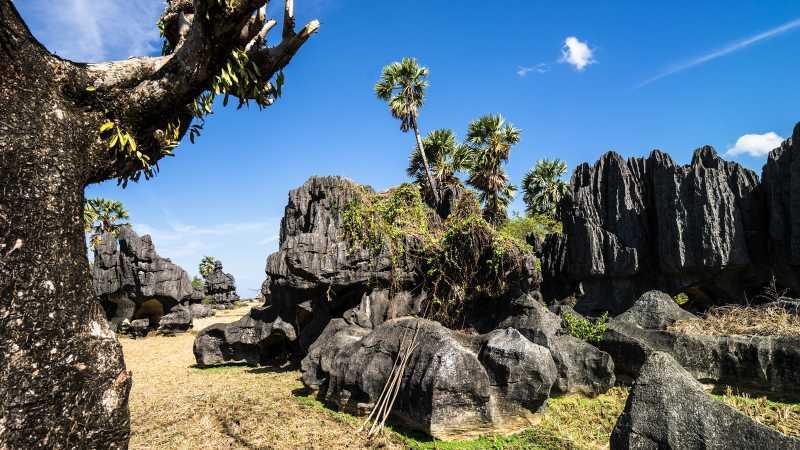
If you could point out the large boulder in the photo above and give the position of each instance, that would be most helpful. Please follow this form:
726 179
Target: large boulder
220 287
318 275
766 363
134 282
178 320
649 223
668 409
454 385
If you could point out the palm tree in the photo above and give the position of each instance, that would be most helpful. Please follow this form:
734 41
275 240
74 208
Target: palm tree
489 140
207 265
445 156
543 187
402 85
101 215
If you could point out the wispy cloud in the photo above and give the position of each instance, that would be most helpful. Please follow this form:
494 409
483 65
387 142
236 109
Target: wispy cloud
96 30
738 45
577 53
538 68
755 145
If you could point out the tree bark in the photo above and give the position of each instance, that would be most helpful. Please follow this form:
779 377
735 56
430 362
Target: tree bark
63 382
431 180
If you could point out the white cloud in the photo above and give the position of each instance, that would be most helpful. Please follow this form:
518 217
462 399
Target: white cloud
755 144
539 68
730 48
576 53
97 30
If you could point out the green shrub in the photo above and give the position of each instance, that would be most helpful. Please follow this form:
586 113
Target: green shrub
206 301
520 227
585 329
198 283
681 298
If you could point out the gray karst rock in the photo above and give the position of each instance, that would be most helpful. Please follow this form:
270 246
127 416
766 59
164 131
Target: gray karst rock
781 194
668 409
220 287
455 385
134 282
648 223
200 311
316 276
178 320
766 363
138 328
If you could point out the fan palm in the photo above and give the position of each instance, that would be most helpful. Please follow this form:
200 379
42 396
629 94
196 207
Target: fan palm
402 85
543 187
489 140
445 156
101 215
207 265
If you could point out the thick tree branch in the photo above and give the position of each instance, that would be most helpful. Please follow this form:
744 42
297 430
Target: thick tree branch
151 94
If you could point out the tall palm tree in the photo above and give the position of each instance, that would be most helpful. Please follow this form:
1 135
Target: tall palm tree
446 157
102 215
402 85
207 265
489 140
543 187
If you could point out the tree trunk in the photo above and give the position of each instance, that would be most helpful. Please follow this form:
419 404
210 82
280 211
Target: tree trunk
63 382
431 180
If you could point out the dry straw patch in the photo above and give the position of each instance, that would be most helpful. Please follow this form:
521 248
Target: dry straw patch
732 320
176 406
783 417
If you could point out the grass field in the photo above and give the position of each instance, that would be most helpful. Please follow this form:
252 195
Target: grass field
177 406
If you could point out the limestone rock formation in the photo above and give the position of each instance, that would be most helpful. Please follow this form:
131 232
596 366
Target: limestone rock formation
220 287
667 408
178 320
134 282
766 363
455 385
647 223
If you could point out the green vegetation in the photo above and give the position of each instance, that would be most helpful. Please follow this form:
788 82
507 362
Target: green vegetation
463 257
681 298
585 329
571 422
446 157
489 140
101 215
520 227
198 283
543 187
402 85
206 265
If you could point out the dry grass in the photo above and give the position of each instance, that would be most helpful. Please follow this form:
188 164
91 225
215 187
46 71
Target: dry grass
585 423
784 417
176 406
741 320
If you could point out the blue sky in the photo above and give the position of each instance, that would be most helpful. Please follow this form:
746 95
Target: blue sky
579 78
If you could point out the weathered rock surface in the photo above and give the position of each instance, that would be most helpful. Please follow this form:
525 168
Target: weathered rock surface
178 320
455 385
200 311
139 328
220 287
316 276
649 223
668 409
766 363
134 282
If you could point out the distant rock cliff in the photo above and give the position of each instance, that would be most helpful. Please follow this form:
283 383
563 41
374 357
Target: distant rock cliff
709 228
220 287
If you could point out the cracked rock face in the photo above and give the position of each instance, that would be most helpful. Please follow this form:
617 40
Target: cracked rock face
134 282
220 287
648 223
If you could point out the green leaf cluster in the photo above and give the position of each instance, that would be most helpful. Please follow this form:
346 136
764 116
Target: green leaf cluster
585 329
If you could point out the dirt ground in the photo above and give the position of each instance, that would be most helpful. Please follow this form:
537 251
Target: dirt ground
177 406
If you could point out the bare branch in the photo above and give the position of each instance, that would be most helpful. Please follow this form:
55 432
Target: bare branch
288 19
273 59
259 38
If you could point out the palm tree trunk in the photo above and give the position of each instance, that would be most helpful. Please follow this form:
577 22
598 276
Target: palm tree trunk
427 167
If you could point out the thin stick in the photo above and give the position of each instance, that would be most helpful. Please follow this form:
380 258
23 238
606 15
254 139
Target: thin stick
385 386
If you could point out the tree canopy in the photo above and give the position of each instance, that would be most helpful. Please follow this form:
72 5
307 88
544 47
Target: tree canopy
102 215
543 186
